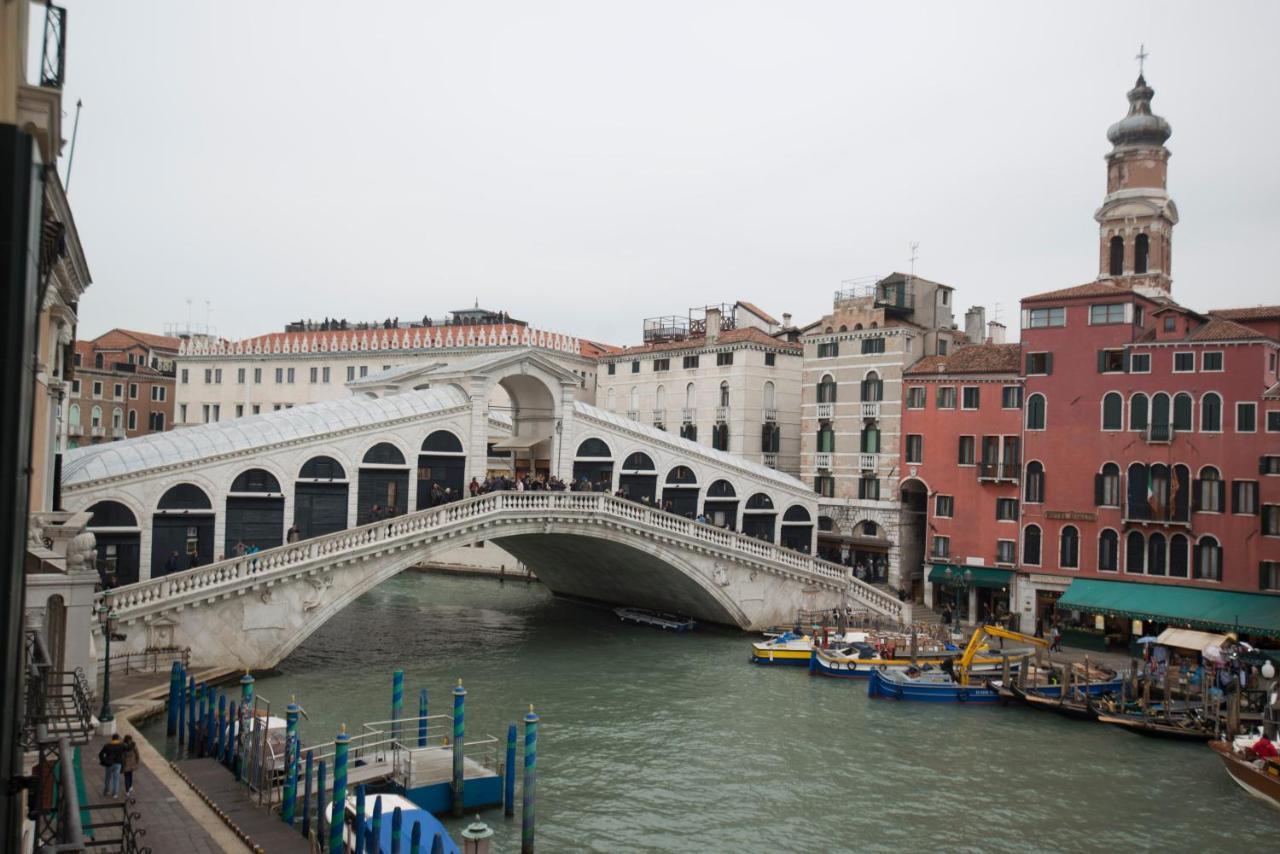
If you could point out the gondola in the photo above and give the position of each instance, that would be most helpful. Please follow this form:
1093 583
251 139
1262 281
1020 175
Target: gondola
1155 729
1073 709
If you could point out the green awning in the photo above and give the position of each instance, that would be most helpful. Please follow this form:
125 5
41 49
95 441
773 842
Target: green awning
981 576
1216 610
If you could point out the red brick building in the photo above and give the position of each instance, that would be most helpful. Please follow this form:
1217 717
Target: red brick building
121 387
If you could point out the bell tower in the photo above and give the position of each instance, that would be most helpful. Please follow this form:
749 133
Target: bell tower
1136 219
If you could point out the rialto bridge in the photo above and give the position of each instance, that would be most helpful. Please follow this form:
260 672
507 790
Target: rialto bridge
361 478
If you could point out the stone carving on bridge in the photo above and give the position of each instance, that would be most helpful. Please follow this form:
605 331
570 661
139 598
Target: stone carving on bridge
720 576
82 553
319 586
266 596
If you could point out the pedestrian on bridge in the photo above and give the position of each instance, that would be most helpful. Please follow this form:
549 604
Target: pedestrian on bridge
111 758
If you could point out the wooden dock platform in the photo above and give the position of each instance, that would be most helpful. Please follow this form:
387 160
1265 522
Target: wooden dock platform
259 828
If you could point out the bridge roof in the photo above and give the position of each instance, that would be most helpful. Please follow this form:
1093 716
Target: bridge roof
694 449
190 444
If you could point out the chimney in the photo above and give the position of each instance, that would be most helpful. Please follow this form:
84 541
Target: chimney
995 332
975 324
713 325
786 320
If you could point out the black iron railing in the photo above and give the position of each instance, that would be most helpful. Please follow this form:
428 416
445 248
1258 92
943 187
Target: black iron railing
57 700
53 63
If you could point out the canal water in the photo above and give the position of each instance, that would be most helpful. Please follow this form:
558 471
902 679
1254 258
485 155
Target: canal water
651 741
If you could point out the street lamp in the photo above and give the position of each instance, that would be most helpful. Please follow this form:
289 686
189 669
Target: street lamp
958 583
106 619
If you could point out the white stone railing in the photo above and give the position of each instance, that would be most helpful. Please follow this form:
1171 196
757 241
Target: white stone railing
871 409
826 410
294 559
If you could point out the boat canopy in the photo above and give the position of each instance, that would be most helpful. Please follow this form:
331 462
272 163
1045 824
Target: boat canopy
982 576
1215 610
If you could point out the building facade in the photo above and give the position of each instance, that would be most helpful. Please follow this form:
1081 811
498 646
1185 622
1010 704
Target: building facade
122 387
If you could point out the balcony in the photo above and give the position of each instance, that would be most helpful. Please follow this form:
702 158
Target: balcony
1158 434
871 409
633 414
868 462
999 472
117 432
97 432
659 417
826 411
822 460
769 460
770 414
722 414
75 429
688 415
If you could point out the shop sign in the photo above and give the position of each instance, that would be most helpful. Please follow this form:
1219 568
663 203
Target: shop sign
1071 515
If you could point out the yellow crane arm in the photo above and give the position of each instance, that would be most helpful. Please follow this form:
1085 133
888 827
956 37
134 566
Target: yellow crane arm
975 643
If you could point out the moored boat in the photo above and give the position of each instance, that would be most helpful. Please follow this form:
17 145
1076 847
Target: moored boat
1079 705
1184 728
859 661
1258 777
930 686
786 648
656 619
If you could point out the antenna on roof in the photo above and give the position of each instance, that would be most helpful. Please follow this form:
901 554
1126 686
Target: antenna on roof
914 255
995 313
75 132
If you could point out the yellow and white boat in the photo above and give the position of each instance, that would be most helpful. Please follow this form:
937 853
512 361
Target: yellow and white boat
786 648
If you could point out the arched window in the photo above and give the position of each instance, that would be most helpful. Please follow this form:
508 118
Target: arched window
384 453
872 387
1138 409
1141 247
1211 413
1156 555
1178 548
870 443
322 468
1208 559
1210 490
1069 548
133 419
660 399
690 398
1031 545
255 480
97 360
826 439
721 489
595 448
185 496
1033 488
609 400
442 442
1160 410
1139 507
1106 490
1182 406
95 417
633 400
73 415
1108 551
111 514
827 390
682 476
1112 411
1117 256
769 396
639 461
1035 412
724 393
796 513
1135 554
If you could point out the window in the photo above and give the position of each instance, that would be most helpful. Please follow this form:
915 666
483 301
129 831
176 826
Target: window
159 393
944 506
1111 361
1033 483
870 441
613 368
204 413
1271 520
826 439
1069 548
1209 491
827 390
1182 407
1170 323
217 376
770 359
208 376
969 397
724 358
825 485
869 488
1141 249
97 388
942 346
635 366
289 373
324 375
1139 407
1244 497
967 454
1103 314
117 391
1116 261
1184 363
828 349
947 397
916 397
1140 363
1269 465
1039 363
941 546
1246 417
1135 553
1269 575
257 375
217 412
1208 559
240 372
182 413
133 419
872 387
1273 421
724 396
279 375
1035 412
1112 411
661 365
239 410
1011 397
351 373
1179 546
872 345
1039 318
1006 551
364 370
689 362
75 388
915 448
1211 413
1211 361
1006 509
314 375
1108 551
257 408
1031 545
720 436
157 422
1106 486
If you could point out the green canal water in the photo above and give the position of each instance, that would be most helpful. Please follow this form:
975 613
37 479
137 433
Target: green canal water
656 742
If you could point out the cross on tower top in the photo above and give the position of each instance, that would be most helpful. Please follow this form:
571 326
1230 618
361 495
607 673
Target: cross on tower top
1142 58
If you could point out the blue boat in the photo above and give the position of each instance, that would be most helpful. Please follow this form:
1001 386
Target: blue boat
410 814
929 686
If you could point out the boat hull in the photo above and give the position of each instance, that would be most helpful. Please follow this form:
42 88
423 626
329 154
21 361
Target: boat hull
884 684
862 668
1047 697
1259 783
1151 729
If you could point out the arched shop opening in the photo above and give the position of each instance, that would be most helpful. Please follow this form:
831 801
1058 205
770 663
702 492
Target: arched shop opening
638 479
255 512
320 497
384 484
680 493
593 466
442 467
119 541
181 530
721 505
759 517
797 529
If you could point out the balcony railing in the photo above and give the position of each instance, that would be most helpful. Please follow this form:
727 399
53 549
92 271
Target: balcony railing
722 414
53 62
659 417
97 431
1159 434
826 411
117 432
871 409
770 460
999 471
688 415
633 414
75 429
868 462
822 460
770 414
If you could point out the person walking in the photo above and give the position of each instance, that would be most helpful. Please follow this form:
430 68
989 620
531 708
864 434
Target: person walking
294 534
129 763
1055 638
171 563
111 757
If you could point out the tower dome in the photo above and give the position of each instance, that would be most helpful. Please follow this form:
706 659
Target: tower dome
1141 126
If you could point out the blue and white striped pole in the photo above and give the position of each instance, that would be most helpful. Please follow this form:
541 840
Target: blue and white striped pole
459 733
530 781
290 804
397 827
397 702
320 787
339 812
306 797
375 835
422 717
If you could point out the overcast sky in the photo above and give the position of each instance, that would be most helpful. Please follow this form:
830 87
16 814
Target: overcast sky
583 165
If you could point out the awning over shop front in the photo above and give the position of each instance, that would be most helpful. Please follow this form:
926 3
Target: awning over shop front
1217 610
981 576
1189 639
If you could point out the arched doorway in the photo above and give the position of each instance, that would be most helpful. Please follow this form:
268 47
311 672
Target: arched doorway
593 466
797 529
384 484
119 542
533 411
912 515
181 530
638 479
759 517
320 497
721 505
442 464
255 512
680 494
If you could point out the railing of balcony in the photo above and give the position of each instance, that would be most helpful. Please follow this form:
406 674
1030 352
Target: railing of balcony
722 414
688 415
871 409
659 417
868 462
999 471
1159 434
822 460
770 460
826 410
633 414
770 414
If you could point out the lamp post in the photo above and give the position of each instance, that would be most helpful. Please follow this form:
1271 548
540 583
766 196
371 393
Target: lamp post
108 622
959 584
